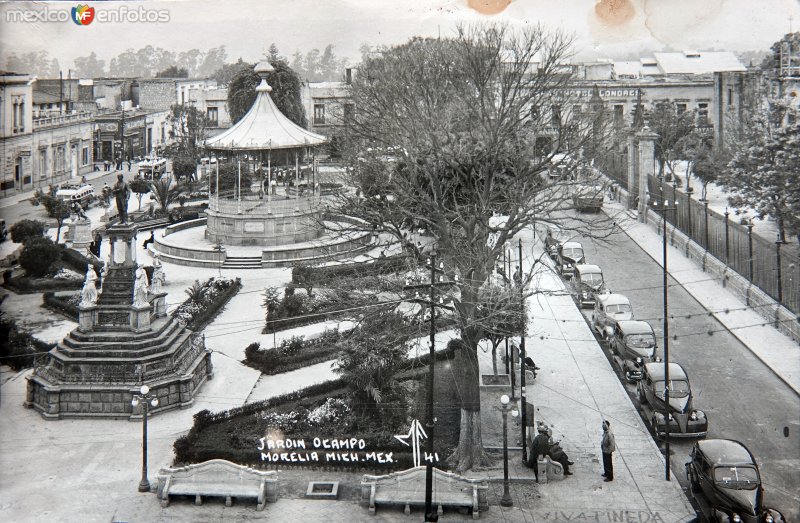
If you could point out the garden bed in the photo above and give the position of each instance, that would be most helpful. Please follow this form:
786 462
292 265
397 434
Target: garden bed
296 309
66 305
292 354
205 301
318 411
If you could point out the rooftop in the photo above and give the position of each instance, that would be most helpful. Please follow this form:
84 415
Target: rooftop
698 62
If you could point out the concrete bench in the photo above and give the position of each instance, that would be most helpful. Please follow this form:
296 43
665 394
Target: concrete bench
407 488
218 478
549 470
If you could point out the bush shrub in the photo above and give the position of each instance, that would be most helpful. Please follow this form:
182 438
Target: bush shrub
18 349
304 274
66 305
205 301
78 262
38 255
25 230
184 166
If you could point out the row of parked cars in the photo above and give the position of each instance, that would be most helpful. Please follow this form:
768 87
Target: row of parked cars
723 475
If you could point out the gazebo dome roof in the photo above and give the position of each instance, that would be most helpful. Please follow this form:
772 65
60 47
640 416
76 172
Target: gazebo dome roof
264 127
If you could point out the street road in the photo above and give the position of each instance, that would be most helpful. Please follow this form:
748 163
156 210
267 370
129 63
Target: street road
743 398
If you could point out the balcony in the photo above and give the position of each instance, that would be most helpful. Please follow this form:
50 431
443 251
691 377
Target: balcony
60 120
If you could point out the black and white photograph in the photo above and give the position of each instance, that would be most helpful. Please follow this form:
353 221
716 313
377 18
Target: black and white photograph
511 261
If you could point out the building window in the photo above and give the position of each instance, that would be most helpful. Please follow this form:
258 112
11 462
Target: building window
555 115
702 114
22 115
681 108
730 96
42 163
619 113
212 114
319 114
61 155
577 110
15 118
349 110
85 156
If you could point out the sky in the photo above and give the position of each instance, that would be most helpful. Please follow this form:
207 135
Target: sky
602 28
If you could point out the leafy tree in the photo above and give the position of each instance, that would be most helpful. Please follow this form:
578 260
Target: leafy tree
225 74
463 134
286 87
173 71
229 177
38 255
188 129
90 66
164 193
26 230
36 63
183 166
371 355
671 125
190 60
139 187
771 62
55 207
500 310
764 173
212 60
694 148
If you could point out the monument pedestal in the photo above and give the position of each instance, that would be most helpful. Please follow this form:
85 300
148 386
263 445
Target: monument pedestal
80 233
140 318
87 317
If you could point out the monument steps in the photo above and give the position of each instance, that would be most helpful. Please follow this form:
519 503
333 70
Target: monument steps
144 354
79 340
242 262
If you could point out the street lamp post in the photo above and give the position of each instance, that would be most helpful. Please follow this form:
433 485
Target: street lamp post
522 399
146 400
664 208
506 500
441 281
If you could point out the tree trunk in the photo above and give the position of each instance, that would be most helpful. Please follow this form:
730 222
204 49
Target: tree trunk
494 357
469 452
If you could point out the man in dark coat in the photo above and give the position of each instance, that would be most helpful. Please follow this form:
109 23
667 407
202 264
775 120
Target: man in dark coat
608 445
539 446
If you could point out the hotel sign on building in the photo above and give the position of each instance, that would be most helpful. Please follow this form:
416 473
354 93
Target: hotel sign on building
604 92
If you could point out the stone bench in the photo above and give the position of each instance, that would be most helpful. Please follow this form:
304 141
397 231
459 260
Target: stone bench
549 470
218 478
407 488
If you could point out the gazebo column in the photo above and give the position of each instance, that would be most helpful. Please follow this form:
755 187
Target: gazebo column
297 175
269 181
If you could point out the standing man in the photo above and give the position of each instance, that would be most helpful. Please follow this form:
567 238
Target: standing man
608 446
121 194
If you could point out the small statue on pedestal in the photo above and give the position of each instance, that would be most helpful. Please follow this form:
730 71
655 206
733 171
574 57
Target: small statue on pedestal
140 288
89 291
159 278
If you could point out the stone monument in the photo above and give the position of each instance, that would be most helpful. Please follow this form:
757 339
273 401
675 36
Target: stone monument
124 340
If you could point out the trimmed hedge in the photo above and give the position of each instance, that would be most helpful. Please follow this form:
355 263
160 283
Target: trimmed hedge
317 275
61 305
27 285
207 315
275 324
274 361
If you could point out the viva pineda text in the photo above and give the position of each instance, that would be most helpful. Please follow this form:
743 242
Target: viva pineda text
325 450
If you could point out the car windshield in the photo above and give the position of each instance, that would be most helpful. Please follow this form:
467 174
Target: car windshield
677 388
739 478
620 307
573 253
640 341
592 278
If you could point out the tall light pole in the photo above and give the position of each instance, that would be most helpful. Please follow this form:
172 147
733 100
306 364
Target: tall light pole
506 500
664 208
522 399
146 399
438 279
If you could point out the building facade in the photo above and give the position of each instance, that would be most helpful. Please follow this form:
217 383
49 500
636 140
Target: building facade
38 152
122 135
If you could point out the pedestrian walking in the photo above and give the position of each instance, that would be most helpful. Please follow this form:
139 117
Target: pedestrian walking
608 446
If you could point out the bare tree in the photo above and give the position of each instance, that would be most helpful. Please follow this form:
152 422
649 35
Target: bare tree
448 136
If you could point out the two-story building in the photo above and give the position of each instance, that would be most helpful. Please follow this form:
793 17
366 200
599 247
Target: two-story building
42 150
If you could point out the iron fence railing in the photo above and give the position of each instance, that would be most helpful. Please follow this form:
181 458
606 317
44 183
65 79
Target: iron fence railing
764 263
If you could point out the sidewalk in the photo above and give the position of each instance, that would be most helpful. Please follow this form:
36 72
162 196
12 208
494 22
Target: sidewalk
13 199
779 352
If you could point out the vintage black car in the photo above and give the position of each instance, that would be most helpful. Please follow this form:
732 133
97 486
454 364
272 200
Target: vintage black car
725 482
610 308
632 344
587 282
569 255
684 420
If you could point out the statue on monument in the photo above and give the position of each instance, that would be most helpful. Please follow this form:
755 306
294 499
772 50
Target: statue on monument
159 278
89 291
121 193
140 288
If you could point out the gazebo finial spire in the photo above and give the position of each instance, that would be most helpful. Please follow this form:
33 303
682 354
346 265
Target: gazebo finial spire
263 68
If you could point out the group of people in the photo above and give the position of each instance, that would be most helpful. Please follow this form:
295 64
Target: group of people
543 445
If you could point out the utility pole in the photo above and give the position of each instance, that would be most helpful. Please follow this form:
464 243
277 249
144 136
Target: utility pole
522 400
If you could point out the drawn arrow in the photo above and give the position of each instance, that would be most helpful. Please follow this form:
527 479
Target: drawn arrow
415 434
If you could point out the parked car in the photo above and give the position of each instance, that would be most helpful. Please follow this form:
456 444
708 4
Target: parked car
684 420
632 344
587 282
569 255
609 308
726 485
76 193
589 198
